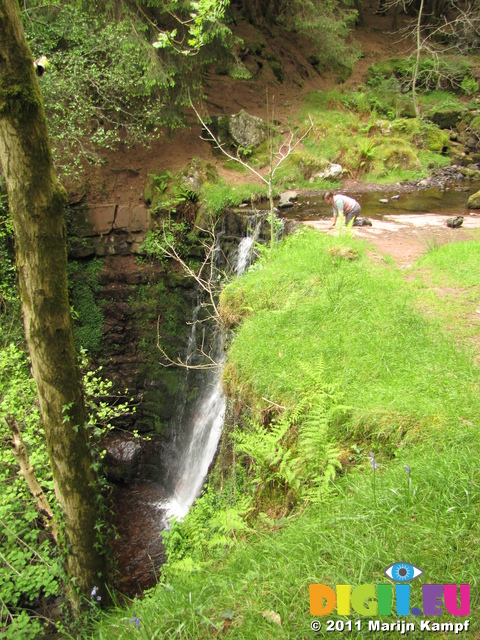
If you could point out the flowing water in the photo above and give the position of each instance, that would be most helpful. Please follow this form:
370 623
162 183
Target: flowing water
144 510
197 431
449 201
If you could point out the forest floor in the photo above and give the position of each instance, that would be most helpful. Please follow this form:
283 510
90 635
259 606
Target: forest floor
122 178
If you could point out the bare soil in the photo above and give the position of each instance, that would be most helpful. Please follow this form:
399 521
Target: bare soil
122 178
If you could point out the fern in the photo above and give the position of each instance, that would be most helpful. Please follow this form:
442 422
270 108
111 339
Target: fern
297 451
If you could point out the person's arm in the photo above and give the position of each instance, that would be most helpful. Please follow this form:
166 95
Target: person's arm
337 208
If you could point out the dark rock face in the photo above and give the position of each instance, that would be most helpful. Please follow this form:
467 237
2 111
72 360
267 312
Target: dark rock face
141 303
123 453
144 305
107 229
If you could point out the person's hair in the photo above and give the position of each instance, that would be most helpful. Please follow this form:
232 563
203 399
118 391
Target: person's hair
327 195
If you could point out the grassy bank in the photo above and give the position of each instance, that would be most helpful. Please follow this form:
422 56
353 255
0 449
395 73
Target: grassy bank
371 360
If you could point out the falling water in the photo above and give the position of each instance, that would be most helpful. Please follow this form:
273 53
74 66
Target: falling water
244 252
201 431
199 427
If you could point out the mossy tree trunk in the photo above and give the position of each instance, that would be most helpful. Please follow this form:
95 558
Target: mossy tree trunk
37 205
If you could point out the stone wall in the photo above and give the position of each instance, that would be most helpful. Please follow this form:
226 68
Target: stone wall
107 229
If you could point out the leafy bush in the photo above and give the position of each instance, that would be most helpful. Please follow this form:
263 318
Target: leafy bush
30 566
106 83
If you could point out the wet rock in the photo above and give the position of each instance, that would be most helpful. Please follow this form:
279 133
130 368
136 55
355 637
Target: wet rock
288 196
455 223
286 199
123 453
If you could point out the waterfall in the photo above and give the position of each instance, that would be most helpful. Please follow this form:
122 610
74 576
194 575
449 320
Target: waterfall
245 248
198 428
201 429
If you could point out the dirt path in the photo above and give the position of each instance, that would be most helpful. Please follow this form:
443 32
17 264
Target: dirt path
407 237
122 176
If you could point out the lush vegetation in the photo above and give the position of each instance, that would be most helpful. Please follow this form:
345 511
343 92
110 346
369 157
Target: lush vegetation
358 445
32 573
358 437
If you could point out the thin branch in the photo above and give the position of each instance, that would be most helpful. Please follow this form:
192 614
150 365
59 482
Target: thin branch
26 470
180 363
220 145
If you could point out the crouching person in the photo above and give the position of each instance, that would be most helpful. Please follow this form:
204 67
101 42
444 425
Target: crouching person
345 205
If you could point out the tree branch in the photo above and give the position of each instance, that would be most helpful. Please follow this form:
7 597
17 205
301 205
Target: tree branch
26 470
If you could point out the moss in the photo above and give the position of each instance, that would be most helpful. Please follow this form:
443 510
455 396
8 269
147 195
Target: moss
475 125
401 158
437 140
87 314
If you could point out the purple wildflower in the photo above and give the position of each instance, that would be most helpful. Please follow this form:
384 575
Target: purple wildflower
135 620
94 592
407 468
373 464
99 598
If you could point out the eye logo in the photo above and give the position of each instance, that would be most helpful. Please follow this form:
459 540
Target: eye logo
402 572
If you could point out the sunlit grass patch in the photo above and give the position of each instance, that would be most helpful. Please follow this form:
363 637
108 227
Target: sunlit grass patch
360 319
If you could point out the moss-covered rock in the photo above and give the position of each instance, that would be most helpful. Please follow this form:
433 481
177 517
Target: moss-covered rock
474 201
448 117
437 140
240 131
475 126
397 157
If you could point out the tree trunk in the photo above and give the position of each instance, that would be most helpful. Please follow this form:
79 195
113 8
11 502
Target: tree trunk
37 204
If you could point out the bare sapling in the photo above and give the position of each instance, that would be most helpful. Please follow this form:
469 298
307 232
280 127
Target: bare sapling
277 157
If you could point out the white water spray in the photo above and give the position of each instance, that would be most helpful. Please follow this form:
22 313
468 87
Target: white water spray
245 247
201 429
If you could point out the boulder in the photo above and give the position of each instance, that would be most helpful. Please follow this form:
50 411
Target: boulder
474 201
123 453
240 130
447 118
332 172
286 199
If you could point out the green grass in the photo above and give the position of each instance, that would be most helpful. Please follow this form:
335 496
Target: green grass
430 522
358 318
454 264
217 197
412 394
